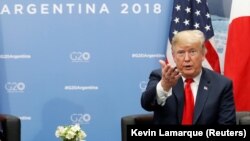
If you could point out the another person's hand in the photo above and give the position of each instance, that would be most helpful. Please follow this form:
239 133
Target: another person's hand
170 75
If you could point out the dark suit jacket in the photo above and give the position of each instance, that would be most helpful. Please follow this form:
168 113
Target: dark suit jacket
214 101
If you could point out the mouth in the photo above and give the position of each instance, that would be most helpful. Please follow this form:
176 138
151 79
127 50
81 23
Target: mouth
187 67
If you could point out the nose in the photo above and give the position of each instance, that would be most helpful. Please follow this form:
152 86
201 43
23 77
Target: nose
187 56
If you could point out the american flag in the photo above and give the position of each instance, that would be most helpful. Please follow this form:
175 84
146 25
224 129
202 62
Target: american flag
194 14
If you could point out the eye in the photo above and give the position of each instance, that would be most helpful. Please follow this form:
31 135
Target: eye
180 52
193 52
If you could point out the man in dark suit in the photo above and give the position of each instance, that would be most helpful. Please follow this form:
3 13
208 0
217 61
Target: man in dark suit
212 93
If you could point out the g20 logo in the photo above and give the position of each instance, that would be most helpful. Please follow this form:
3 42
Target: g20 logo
79 56
15 87
80 118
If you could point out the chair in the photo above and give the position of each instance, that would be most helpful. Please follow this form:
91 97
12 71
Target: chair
133 120
11 126
243 118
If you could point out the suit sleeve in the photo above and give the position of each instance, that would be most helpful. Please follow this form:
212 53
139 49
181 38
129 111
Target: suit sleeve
227 114
148 98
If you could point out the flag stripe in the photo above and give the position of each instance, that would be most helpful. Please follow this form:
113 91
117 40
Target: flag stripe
212 56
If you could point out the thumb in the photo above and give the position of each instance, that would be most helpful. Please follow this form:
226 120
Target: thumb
163 63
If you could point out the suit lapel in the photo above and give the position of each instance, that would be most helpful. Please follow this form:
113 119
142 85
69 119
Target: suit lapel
202 95
178 90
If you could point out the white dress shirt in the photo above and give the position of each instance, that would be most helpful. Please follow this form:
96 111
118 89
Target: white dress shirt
163 95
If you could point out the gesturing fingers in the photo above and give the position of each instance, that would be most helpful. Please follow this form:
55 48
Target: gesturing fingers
170 75
170 72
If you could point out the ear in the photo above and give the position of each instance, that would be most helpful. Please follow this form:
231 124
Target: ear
204 54
203 57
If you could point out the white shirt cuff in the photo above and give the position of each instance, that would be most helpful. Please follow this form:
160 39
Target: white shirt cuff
162 95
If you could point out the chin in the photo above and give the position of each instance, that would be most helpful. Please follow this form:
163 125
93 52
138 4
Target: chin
188 73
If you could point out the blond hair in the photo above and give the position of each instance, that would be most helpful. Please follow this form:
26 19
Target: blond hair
190 36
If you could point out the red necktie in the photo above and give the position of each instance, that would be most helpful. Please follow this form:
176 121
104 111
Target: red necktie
188 110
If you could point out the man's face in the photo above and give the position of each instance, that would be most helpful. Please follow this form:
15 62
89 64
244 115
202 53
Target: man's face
188 58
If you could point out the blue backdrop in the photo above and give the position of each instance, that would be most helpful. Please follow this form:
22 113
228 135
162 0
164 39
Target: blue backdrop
84 61
81 61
